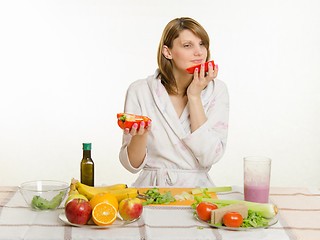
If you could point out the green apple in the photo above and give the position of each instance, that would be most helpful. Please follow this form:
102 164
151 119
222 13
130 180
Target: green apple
73 196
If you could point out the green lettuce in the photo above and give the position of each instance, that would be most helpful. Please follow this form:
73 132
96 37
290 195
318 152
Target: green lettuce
157 197
40 203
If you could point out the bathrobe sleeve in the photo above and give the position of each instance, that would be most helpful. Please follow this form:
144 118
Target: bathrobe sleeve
132 106
208 142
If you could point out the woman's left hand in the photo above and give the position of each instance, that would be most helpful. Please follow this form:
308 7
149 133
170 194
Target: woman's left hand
200 81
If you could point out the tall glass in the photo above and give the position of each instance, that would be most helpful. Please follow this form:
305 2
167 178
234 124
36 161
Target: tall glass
257 179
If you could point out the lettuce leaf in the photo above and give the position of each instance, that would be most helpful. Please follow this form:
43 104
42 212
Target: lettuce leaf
157 197
254 219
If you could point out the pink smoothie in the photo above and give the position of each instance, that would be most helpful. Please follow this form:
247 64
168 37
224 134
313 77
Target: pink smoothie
258 194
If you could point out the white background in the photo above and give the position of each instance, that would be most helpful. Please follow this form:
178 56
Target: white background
65 67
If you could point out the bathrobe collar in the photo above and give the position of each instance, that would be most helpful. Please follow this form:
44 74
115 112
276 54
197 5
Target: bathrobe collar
166 108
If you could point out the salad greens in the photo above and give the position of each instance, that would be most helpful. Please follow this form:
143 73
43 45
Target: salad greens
254 220
40 203
157 197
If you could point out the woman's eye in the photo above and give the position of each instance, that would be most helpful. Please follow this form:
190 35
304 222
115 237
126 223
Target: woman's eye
186 45
201 44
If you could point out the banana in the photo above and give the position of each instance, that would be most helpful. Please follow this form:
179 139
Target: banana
121 194
73 187
89 191
115 186
110 187
74 191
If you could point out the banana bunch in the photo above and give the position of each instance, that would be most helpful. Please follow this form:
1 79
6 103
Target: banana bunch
120 191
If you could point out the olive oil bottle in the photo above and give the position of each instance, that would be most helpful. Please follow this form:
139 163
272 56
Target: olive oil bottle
87 166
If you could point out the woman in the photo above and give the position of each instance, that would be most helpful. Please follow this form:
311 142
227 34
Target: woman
189 113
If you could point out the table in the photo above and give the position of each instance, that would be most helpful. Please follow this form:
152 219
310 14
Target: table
299 218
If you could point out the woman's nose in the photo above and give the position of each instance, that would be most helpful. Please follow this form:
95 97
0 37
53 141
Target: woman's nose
198 51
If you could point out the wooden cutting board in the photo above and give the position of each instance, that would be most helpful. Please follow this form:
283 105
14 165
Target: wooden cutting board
176 191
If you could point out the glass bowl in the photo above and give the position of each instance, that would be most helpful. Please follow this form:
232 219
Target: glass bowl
44 194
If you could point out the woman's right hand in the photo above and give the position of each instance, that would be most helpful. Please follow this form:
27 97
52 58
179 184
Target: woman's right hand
134 131
137 145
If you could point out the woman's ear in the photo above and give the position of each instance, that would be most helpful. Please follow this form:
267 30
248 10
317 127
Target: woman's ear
166 52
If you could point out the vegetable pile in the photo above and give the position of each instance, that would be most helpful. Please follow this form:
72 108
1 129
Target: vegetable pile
157 198
219 212
256 214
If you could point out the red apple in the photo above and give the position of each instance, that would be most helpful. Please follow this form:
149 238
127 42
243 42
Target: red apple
78 211
130 208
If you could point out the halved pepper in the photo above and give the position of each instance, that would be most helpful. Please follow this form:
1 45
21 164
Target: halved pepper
126 120
191 69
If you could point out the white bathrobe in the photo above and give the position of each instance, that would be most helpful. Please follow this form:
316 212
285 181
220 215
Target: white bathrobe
175 156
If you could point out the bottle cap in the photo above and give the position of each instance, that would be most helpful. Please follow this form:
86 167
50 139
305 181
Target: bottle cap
86 146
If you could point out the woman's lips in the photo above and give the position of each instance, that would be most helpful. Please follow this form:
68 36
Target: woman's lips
198 61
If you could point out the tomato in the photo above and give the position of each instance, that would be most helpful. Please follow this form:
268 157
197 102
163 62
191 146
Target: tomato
126 120
232 219
191 69
204 210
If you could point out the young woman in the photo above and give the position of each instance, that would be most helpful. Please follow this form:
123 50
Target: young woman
189 113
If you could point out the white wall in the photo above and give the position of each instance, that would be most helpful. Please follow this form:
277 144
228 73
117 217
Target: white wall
65 67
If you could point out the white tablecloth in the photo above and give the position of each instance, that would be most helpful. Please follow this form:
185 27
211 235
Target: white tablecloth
299 218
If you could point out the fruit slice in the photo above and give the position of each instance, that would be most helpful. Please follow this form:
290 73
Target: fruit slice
104 197
126 120
193 68
104 214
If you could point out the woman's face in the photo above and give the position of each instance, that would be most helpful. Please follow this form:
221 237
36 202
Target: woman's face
187 50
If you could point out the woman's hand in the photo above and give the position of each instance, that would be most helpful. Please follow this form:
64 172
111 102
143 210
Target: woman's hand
137 146
134 131
200 81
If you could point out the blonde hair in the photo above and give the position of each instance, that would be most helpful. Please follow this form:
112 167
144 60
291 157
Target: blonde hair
170 33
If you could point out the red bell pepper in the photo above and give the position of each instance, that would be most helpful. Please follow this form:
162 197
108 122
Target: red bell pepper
126 120
191 69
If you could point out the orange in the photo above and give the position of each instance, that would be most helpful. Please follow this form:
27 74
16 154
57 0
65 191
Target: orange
104 197
104 214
